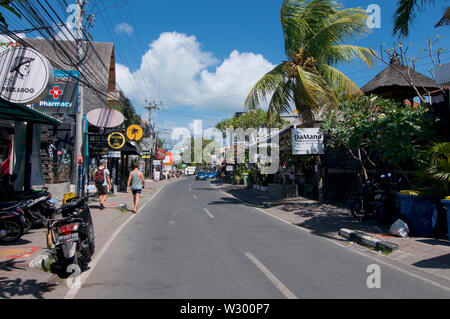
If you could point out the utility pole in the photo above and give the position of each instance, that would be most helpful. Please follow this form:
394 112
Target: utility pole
79 152
152 106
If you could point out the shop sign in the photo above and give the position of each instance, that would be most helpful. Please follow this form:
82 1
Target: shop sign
307 141
114 154
25 75
63 94
116 140
134 132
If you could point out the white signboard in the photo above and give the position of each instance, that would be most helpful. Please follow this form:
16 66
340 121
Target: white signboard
307 141
114 154
157 162
229 168
26 76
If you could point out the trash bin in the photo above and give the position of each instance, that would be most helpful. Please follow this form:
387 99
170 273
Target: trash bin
421 213
446 203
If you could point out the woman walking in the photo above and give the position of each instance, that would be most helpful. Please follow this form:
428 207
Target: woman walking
137 181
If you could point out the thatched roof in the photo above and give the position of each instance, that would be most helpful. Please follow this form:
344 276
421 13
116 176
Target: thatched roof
392 82
100 67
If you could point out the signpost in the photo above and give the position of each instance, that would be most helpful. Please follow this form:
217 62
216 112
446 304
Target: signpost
307 141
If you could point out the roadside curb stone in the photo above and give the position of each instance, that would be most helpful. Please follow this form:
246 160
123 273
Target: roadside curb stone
367 240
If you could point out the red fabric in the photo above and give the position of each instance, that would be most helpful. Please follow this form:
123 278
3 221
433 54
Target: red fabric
6 163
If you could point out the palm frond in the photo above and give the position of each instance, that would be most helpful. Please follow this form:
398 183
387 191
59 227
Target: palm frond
350 53
340 84
265 86
282 99
405 14
300 19
341 26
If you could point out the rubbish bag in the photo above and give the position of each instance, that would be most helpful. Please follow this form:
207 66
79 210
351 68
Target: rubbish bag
399 228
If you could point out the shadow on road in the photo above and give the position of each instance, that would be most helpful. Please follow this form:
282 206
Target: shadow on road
11 264
440 262
10 288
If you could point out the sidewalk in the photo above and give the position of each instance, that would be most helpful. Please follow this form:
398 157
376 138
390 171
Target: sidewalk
20 273
429 254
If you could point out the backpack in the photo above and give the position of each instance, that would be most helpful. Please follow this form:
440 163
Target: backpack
99 177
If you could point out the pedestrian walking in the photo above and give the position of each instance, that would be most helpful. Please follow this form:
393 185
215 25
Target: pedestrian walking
136 184
102 182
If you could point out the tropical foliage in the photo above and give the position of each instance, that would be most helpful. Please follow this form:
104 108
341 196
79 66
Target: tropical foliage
7 5
315 33
379 133
435 175
405 14
252 119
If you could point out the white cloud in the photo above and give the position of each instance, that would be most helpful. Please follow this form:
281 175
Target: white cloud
124 28
183 73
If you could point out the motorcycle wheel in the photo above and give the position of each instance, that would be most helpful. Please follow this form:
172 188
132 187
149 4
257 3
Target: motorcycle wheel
13 228
356 210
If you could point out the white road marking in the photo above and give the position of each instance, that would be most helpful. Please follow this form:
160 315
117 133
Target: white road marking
209 214
171 223
277 283
73 291
195 197
377 259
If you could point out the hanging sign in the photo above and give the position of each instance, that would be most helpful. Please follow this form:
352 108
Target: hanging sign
63 94
134 132
25 75
116 140
307 141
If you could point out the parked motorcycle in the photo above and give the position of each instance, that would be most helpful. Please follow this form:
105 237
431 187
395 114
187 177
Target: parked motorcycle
384 204
361 202
12 224
71 238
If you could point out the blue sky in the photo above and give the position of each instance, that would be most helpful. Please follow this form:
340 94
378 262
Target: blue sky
229 45
201 57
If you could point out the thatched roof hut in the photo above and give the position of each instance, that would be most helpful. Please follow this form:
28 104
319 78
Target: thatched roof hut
394 82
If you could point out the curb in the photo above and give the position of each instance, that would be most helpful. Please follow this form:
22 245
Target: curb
38 261
366 240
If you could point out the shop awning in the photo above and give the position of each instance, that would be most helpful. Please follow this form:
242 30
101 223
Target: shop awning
24 113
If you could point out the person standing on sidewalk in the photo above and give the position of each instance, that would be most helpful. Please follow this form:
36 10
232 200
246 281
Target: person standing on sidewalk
137 181
102 182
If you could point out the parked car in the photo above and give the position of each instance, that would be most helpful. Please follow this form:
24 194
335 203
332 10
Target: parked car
201 175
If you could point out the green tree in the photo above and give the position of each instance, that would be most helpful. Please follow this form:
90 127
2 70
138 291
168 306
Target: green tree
7 5
252 119
314 33
380 133
405 15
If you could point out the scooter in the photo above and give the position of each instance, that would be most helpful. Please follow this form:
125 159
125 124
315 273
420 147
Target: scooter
12 224
71 238
361 202
384 204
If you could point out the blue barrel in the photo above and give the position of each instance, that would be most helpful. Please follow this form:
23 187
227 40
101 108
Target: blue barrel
421 213
446 204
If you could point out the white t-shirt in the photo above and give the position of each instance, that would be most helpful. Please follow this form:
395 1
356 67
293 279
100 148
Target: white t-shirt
105 172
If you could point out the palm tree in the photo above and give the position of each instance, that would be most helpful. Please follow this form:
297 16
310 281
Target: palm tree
314 31
405 15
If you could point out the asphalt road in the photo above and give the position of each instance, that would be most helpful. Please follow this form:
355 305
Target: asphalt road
193 241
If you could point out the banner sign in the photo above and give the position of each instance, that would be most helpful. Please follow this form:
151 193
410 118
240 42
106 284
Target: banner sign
114 154
307 141
25 75
62 97
161 154
157 162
